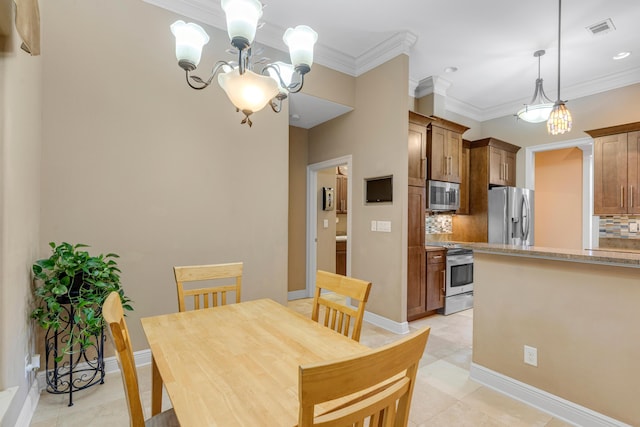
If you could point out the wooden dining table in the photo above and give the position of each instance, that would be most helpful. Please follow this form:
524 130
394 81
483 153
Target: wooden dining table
237 365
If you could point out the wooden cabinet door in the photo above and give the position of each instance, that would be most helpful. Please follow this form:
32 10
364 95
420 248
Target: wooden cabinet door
633 172
341 194
437 154
417 154
610 174
453 154
341 258
464 182
510 168
416 255
495 166
436 268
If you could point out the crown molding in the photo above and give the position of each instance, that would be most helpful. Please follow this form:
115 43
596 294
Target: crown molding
398 44
432 84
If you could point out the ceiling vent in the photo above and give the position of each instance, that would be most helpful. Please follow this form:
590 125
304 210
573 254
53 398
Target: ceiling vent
602 27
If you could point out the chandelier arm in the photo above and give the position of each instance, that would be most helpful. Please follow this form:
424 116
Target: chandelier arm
297 87
216 68
265 71
276 104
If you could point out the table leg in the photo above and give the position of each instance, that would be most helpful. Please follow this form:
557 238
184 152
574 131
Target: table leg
156 388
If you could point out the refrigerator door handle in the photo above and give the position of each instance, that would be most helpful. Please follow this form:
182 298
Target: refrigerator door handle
525 219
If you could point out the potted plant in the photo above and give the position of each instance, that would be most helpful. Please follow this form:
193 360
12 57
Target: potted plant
72 281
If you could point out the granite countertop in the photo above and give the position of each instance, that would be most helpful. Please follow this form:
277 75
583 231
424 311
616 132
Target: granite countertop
434 248
591 256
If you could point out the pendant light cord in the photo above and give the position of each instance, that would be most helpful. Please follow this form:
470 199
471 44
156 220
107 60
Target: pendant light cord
559 26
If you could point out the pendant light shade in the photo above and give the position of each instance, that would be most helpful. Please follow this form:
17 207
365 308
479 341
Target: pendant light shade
190 38
242 20
282 73
560 120
300 41
249 92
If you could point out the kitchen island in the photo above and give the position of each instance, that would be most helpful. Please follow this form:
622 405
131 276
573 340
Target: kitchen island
580 310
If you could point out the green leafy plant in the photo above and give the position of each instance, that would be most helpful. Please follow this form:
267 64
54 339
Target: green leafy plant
72 282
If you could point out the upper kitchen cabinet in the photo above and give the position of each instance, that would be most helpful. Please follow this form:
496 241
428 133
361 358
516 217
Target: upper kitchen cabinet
435 149
464 178
501 160
417 150
616 164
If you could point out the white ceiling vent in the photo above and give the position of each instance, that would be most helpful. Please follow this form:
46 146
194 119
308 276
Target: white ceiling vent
602 27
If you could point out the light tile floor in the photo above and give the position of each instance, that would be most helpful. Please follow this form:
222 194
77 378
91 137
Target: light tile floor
444 394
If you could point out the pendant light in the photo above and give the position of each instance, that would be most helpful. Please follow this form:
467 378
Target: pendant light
560 120
540 107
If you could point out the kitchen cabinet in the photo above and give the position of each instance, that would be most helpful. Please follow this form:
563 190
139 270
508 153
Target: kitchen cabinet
445 150
436 271
492 162
417 153
416 256
341 257
341 193
502 166
616 167
464 179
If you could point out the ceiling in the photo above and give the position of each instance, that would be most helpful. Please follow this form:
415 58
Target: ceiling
490 42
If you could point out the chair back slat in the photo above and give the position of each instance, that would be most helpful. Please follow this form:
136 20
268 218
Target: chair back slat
339 316
375 387
213 296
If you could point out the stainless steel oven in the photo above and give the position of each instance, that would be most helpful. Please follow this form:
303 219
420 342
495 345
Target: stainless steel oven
458 292
458 281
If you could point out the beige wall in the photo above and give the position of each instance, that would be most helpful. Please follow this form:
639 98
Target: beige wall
582 318
326 245
20 136
297 248
558 198
375 134
139 164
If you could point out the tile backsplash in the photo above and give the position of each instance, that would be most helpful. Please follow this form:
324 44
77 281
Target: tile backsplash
438 224
619 227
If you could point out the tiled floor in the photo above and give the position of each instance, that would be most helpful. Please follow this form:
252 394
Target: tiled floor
444 394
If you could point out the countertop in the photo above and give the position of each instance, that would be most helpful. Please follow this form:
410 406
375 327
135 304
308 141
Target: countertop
434 248
591 256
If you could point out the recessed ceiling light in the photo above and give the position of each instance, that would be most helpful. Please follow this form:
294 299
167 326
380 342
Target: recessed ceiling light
451 69
621 55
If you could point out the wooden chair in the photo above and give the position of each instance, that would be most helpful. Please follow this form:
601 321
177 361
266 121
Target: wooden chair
207 272
382 381
119 333
338 316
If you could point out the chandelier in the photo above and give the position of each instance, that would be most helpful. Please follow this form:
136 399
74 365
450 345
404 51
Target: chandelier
540 107
248 91
560 119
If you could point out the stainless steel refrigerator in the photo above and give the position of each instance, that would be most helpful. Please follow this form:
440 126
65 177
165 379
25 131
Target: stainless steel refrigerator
511 216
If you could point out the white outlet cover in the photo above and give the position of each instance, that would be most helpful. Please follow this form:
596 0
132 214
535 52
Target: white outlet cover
530 355
633 227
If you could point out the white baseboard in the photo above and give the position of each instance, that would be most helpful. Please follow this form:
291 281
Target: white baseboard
388 324
29 406
558 407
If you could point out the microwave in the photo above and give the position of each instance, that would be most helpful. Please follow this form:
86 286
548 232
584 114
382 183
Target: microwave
443 196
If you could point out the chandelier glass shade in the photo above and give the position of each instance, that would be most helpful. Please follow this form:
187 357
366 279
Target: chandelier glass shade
560 119
540 107
249 91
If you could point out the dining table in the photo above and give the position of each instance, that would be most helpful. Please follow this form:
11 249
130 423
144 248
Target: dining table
237 365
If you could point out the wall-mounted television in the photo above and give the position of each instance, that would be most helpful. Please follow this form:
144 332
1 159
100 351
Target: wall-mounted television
379 189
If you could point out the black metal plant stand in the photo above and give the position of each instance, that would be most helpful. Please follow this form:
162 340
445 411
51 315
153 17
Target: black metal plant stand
82 367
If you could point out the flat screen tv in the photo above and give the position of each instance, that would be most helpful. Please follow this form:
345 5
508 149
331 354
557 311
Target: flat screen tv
379 189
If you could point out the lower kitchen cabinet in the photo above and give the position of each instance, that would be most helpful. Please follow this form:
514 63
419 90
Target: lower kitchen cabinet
341 258
436 271
425 290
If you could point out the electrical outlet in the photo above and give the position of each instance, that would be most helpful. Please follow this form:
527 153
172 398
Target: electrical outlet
530 355
633 227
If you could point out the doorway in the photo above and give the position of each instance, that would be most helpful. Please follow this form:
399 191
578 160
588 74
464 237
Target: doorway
321 224
586 240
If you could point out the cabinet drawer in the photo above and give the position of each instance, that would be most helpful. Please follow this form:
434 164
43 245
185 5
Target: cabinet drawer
341 246
434 257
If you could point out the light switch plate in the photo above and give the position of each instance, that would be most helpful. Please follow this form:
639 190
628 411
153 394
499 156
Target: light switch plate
374 225
325 223
384 226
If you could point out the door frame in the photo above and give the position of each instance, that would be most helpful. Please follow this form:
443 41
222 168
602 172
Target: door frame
312 216
589 233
